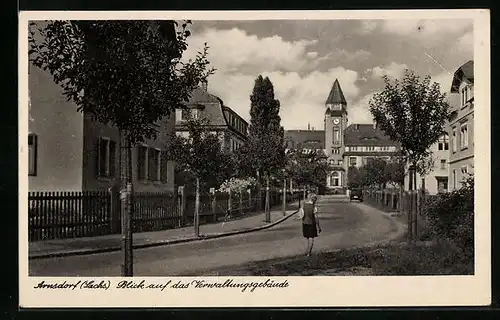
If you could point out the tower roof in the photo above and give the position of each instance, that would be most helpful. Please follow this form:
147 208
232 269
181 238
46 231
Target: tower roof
336 95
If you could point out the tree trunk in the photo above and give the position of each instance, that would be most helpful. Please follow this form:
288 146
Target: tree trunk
284 197
126 190
197 209
267 208
259 193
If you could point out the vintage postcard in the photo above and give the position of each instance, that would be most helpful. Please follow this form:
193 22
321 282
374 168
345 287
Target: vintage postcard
254 158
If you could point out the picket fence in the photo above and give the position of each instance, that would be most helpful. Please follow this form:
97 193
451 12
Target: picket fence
408 203
61 215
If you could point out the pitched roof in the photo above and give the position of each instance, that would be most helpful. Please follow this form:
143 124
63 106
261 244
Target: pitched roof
199 95
366 135
305 139
336 95
466 71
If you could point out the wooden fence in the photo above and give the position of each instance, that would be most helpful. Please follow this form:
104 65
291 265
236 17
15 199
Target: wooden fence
60 215
408 203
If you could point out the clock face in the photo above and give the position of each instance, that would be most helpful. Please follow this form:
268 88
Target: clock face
336 121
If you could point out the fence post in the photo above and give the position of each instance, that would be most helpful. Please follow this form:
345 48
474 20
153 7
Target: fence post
229 203
268 206
241 202
114 210
214 204
249 200
181 203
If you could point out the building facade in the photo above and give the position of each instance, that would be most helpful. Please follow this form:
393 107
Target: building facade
461 126
436 180
68 151
343 144
231 128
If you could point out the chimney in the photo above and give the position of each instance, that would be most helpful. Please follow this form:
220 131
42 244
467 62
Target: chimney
356 126
204 85
308 127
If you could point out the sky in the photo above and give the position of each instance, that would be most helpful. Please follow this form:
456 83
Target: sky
302 58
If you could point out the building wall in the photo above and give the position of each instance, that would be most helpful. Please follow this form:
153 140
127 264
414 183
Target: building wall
59 130
438 173
94 130
462 158
336 159
166 127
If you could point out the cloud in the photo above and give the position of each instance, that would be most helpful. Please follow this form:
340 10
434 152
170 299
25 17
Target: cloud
312 54
465 43
425 28
299 84
444 79
302 98
368 26
235 50
359 111
392 70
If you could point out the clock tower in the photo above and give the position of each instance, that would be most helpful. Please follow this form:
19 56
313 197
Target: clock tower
335 124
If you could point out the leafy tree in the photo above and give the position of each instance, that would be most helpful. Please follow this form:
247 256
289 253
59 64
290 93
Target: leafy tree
375 172
126 73
354 178
413 112
307 169
265 150
200 155
395 171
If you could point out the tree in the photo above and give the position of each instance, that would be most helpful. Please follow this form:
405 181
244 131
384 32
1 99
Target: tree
266 135
412 112
354 178
307 168
395 171
125 73
374 173
200 155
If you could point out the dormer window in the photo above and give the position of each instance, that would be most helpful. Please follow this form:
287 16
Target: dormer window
466 94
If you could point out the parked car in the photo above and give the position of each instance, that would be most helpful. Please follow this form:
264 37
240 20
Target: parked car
356 194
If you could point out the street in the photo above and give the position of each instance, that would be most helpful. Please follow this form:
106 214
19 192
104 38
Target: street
343 225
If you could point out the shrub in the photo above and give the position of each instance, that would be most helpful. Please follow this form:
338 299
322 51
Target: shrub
451 215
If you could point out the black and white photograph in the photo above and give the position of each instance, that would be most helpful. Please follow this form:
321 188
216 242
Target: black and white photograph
203 159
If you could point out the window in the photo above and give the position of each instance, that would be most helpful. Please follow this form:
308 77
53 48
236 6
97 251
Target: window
370 148
339 162
454 176
464 136
336 135
187 114
336 150
32 154
443 142
443 163
442 184
154 164
106 155
142 155
464 170
149 164
353 161
454 140
354 148
335 179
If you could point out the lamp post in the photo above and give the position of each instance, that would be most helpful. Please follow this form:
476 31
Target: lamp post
284 192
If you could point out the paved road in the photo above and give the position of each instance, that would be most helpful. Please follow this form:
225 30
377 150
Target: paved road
344 224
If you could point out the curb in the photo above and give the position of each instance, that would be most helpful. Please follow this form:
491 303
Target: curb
159 243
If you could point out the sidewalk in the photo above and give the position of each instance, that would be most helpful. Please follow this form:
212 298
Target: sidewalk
108 243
